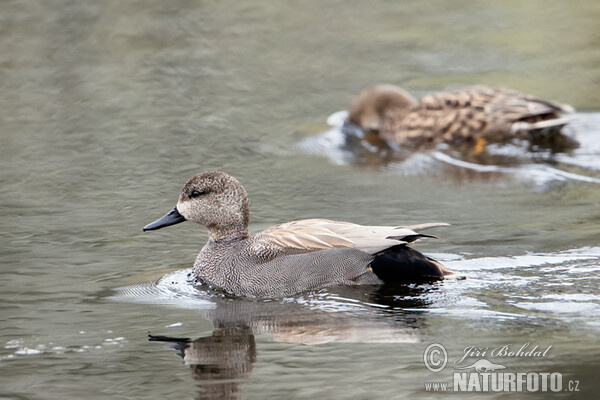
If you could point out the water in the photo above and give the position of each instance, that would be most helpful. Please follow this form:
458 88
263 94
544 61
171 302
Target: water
107 108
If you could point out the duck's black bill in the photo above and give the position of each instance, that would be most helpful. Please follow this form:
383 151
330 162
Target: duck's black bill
172 218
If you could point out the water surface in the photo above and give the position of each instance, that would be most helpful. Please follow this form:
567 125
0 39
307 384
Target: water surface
108 107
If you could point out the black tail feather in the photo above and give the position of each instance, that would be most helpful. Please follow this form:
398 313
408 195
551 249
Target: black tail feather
404 264
411 238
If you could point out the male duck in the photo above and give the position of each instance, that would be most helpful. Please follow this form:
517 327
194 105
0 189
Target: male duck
476 114
295 256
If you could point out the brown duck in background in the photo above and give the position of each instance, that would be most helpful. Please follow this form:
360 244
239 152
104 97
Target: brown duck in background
475 115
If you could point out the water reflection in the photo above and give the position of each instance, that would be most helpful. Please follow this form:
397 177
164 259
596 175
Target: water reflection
368 149
222 362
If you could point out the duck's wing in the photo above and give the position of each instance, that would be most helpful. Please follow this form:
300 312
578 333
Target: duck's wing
318 234
469 114
514 104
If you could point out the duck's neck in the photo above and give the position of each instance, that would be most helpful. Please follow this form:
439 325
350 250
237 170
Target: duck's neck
231 222
233 230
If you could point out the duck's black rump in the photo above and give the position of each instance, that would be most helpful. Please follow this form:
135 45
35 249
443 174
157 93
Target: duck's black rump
403 264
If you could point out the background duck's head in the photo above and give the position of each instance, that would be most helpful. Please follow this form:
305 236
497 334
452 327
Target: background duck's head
370 106
213 199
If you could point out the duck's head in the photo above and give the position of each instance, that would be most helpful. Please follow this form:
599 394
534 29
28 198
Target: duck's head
371 105
213 199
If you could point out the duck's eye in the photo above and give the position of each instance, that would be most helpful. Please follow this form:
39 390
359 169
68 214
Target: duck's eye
196 193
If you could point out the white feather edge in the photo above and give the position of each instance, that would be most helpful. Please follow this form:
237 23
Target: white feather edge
551 123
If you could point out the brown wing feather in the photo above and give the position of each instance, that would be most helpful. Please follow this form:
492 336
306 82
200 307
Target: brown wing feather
309 235
320 234
467 115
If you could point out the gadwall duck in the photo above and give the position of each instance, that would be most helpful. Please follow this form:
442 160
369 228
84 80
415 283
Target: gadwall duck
294 256
476 114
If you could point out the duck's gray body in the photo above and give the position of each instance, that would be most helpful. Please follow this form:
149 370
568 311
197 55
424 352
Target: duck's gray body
233 266
295 256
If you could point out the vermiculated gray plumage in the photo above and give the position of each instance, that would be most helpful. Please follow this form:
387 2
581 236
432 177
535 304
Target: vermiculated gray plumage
232 266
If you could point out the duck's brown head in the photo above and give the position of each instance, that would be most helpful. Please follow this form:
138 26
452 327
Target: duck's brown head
371 105
213 199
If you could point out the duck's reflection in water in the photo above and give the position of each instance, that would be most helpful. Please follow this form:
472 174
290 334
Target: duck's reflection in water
536 161
222 362
372 152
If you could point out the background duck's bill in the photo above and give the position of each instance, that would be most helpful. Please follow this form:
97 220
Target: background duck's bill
173 217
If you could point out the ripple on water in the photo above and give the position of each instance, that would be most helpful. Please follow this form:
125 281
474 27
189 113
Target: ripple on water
497 288
540 169
174 288
534 285
21 348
